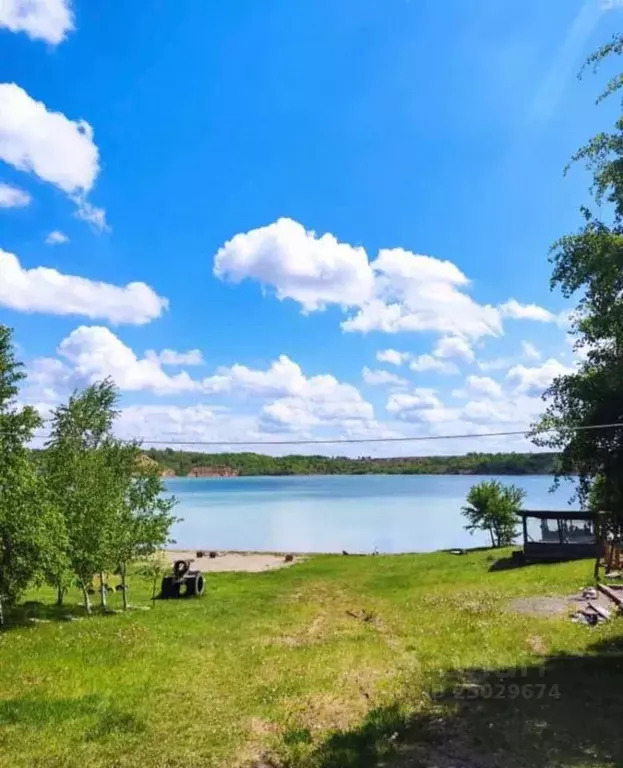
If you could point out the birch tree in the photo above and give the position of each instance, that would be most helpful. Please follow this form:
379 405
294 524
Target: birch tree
80 481
142 518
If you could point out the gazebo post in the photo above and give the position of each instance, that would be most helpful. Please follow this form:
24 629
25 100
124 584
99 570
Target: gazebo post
525 530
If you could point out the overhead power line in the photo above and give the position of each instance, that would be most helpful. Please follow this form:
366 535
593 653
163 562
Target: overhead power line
351 440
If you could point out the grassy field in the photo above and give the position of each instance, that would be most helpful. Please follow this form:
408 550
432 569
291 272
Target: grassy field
412 660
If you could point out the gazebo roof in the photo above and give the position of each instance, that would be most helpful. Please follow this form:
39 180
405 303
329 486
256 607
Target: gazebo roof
558 514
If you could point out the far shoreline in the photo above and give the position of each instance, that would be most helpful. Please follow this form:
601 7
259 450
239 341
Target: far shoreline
363 474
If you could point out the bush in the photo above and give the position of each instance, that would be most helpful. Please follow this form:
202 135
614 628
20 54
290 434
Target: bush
494 507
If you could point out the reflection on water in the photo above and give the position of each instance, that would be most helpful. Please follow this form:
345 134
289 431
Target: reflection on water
390 513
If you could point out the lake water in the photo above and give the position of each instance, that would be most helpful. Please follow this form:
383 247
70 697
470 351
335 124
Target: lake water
392 513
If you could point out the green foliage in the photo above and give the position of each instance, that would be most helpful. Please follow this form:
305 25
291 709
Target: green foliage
24 514
79 479
494 507
142 516
110 500
589 265
181 463
615 46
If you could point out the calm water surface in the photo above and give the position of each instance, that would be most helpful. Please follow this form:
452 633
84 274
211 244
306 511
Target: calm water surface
392 513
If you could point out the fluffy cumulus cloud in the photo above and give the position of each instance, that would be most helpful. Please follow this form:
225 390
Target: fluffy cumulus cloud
441 360
172 357
392 356
277 400
91 353
226 429
454 347
411 405
429 363
285 379
535 380
48 20
57 149
381 378
482 406
13 197
298 264
56 238
516 311
173 422
483 385
414 292
398 291
46 290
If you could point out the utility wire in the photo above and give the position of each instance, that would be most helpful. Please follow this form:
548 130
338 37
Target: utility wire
346 440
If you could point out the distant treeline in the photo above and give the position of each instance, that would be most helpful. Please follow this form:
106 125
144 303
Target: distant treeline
183 463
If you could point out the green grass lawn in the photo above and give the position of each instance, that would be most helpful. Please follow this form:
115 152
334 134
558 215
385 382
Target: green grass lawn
339 661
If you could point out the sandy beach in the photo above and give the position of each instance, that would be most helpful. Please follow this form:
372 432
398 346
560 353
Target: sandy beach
250 562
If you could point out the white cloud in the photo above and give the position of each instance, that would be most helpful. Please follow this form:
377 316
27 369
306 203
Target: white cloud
446 349
495 364
297 401
46 290
172 357
56 238
423 363
91 353
454 347
530 351
402 403
298 264
382 378
12 197
48 20
162 422
535 380
516 311
414 292
483 385
93 215
36 140
297 413
283 378
487 412
392 356
399 291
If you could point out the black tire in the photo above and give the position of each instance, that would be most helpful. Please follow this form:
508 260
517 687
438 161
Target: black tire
167 589
195 586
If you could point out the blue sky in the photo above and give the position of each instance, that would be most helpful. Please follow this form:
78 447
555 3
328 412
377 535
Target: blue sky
296 188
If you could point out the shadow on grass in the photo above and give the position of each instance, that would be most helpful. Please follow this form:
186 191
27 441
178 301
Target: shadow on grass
32 612
101 718
565 712
510 563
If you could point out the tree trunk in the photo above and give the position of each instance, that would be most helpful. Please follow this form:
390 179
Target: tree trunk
87 599
124 586
60 593
492 539
1 613
103 599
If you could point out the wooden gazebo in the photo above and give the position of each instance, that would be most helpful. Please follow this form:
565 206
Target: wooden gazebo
560 535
